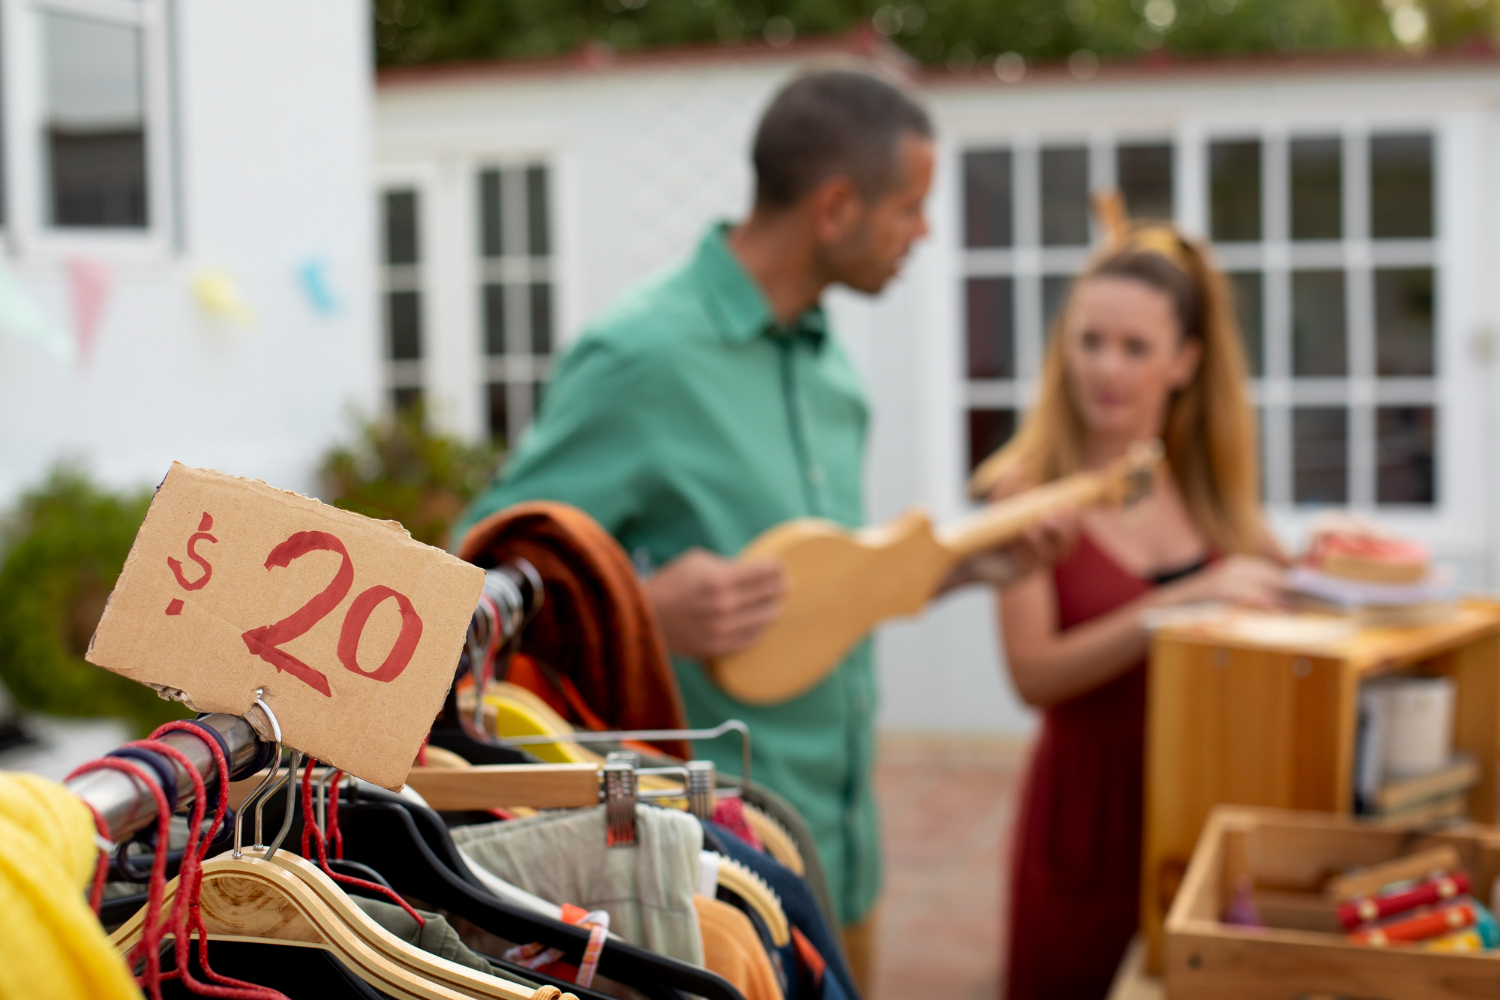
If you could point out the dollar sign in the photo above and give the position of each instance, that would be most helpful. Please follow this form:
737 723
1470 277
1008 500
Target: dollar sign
200 535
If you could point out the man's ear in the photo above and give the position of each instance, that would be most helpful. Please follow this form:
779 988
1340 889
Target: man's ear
834 205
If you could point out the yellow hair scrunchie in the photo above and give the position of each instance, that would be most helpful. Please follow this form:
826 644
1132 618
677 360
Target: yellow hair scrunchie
52 945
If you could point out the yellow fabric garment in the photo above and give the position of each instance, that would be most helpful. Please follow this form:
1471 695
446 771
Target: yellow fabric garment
732 949
52 945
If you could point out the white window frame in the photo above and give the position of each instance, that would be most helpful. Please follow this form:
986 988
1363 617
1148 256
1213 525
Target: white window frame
27 228
1455 523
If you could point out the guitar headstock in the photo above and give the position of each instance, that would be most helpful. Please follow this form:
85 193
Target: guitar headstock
1130 477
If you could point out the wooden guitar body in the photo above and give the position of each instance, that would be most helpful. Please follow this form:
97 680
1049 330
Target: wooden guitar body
840 585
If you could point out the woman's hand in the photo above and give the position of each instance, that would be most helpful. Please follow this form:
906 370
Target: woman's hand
1247 581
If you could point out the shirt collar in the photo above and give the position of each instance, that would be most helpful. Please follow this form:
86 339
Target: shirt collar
739 306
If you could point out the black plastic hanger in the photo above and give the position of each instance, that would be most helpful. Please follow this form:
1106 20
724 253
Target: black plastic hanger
409 845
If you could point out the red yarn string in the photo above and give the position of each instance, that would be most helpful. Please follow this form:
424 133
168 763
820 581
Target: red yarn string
191 875
148 948
311 831
101 867
335 835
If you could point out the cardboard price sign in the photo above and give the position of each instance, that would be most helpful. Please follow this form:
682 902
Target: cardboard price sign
352 628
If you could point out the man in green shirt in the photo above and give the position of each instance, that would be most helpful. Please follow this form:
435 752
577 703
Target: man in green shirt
712 402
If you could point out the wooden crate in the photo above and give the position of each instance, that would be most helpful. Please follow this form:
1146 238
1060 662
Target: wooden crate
1229 721
1292 853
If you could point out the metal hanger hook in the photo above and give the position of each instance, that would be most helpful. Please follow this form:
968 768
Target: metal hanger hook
260 789
291 804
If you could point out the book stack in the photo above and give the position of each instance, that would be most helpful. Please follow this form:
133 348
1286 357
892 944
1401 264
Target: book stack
1405 768
1354 568
1420 900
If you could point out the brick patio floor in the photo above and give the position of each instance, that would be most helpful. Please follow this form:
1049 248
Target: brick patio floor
947 807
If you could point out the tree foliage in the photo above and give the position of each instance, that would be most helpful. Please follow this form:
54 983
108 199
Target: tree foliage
400 470
64 547
957 33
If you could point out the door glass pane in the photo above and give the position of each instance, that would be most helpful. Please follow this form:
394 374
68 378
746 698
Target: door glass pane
406 398
991 327
1401 186
538 234
1317 186
1234 190
95 122
1065 196
1406 445
1320 454
987 208
1145 176
988 430
541 318
1249 312
499 418
1319 341
401 227
1403 321
404 319
1054 293
494 320
491 214
538 388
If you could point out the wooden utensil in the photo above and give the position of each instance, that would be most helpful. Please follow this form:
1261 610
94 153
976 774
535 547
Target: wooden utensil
842 583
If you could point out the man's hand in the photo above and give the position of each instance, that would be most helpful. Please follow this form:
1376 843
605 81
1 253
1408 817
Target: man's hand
710 607
1042 545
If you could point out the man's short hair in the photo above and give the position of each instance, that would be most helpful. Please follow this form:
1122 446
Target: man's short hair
830 123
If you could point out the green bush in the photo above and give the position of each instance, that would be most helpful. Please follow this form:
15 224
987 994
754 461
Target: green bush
401 471
63 548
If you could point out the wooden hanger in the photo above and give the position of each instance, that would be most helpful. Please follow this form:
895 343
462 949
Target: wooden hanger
566 786
842 583
288 900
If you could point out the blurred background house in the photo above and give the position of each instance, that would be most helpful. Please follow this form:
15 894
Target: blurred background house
1351 197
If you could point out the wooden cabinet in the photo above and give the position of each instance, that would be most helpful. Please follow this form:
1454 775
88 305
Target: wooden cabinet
1232 721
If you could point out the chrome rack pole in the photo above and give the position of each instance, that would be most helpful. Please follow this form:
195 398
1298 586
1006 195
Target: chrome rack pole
127 807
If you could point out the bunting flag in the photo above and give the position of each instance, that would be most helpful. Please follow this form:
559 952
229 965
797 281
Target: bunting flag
21 314
219 295
89 282
313 276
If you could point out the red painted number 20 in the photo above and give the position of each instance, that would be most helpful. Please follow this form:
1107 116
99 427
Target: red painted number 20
266 641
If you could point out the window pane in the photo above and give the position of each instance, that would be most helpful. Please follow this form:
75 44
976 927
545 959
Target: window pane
1234 190
1401 186
1065 196
541 318
1054 293
1405 441
988 430
494 320
1145 175
1317 185
538 389
401 227
987 209
406 399
538 234
95 122
1403 321
1319 342
1248 311
404 319
499 419
992 327
1320 454
490 214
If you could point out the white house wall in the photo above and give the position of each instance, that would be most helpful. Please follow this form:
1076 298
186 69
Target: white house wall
643 158
270 168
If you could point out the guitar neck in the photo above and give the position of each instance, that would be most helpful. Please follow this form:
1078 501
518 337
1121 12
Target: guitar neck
1007 520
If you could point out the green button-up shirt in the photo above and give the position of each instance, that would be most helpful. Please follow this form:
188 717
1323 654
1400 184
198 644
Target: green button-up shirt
685 416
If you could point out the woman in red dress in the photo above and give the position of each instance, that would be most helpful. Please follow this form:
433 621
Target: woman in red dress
1146 347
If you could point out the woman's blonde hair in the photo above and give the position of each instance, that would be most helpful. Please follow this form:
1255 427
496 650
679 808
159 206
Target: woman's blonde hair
1210 435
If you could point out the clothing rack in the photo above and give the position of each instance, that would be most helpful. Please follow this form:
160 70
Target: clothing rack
126 807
